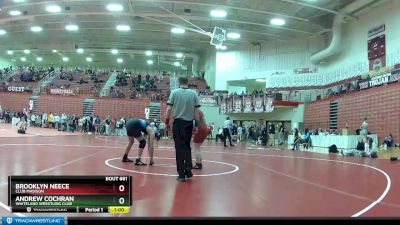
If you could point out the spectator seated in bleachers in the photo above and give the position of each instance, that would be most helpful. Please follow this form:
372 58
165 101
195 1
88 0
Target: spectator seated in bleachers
27 75
81 81
66 76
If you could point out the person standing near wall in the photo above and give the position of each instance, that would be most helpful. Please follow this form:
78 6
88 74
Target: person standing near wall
240 133
271 133
227 134
183 108
281 138
364 130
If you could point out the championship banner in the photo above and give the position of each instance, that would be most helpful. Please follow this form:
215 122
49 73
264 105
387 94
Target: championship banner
238 103
222 107
248 104
269 103
208 100
259 103
229 104
377 52
61 91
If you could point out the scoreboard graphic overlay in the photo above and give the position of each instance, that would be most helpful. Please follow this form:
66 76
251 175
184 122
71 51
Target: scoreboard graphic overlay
75 194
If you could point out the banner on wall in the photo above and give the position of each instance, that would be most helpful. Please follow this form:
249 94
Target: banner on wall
386 78
305 70
269 103
238 103
208 100
222 107
228 104
61 91
377 52
248 104
15 89
259 103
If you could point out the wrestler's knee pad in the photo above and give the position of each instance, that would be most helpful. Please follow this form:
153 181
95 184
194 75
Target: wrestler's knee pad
142 143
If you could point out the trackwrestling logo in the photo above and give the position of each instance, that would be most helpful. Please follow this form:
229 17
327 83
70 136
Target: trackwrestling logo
33 220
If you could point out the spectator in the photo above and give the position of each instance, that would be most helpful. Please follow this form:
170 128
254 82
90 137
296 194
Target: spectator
370 148
296 139
271 134
388 143
220 135
281 138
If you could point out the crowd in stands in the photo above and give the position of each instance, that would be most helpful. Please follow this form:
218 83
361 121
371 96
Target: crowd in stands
5 71
90 82
139 87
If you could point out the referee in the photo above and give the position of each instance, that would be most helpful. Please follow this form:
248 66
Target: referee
227 134
183 108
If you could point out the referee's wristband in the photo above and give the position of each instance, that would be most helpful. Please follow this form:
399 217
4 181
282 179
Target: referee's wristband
196 123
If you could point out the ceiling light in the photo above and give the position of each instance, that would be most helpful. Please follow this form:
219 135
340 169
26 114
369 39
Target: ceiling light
149 53
36 29
79 50
10 52
123 27
277 22
260 80
17 1
89 59
3 32
177 30
179 55
114 51
177 64
39 59
71 27
54 50
65 59
120 60
219 13
221 47
115 7
15 13
23 59
150 62
233 35
53 8
27 51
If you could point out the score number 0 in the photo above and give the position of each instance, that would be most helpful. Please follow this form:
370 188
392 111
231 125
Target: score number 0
121 200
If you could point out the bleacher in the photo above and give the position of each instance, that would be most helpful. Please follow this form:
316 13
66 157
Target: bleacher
81 84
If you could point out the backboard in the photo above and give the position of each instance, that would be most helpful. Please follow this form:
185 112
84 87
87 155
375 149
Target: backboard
218 36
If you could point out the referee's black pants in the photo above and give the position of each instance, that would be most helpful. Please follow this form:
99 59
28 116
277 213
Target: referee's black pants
182 132
227 134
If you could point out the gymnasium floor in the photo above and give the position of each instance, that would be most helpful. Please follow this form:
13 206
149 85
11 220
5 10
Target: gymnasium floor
243 181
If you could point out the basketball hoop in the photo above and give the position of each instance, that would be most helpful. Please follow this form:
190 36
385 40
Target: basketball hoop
218 37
